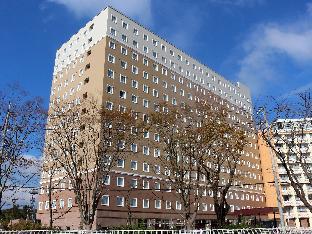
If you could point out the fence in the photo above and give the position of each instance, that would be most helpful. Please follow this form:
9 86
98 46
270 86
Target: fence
214 231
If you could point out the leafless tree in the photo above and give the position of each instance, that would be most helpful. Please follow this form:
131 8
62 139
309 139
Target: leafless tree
200 147
22 120
284 125
86 141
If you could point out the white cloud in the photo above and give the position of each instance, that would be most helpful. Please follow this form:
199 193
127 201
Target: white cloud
271 43
139 9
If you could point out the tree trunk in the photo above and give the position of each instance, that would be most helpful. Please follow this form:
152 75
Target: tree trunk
221 213
50 204
87 226
190 221
0 205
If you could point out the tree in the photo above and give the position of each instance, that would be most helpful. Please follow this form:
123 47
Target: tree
86 141
22 120
200 145
223 143
283 124
50 171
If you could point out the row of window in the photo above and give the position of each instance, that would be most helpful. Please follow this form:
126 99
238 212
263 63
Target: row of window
54 204
134 166
145 49
111 58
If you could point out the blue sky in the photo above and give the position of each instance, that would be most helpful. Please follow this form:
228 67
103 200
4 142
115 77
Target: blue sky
263 43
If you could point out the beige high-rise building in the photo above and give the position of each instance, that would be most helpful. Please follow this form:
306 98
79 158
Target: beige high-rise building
295 213
125 65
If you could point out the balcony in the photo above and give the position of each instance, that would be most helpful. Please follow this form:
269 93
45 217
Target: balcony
303 214
287 203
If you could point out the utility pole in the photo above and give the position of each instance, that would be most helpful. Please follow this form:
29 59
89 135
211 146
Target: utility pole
276 182
4 130
33 193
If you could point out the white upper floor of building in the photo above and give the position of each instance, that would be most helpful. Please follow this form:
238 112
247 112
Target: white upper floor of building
114 24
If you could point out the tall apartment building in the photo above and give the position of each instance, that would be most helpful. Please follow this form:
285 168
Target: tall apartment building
295 213
125 65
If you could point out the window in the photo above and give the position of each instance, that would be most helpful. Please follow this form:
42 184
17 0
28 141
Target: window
145 75
106 180
124 38
134 183
114 19
145 103
165 97
178 205
168 205
135 70
124 25
47 205
134 165
120 201
174 101
123 64
123 79
155 66
110 89
165 85
145 150
156 152
105 200
121 163
69 202
120 181
109 105
157 186
155 55
145 203
163 47
145 61
113 32
155 43
134 84
122 94
158 204
134 56
123 50
157 169
145 49
156 137
182 92
145 37
133 202
40 205
134 99
111 58
86 81
171 52
110 73
155 79
134 148
135 44
145 184
112 45
145 167
145 88
174 88
204 207
155 93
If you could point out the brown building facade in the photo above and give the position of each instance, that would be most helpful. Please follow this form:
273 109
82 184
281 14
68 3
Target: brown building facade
124 65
